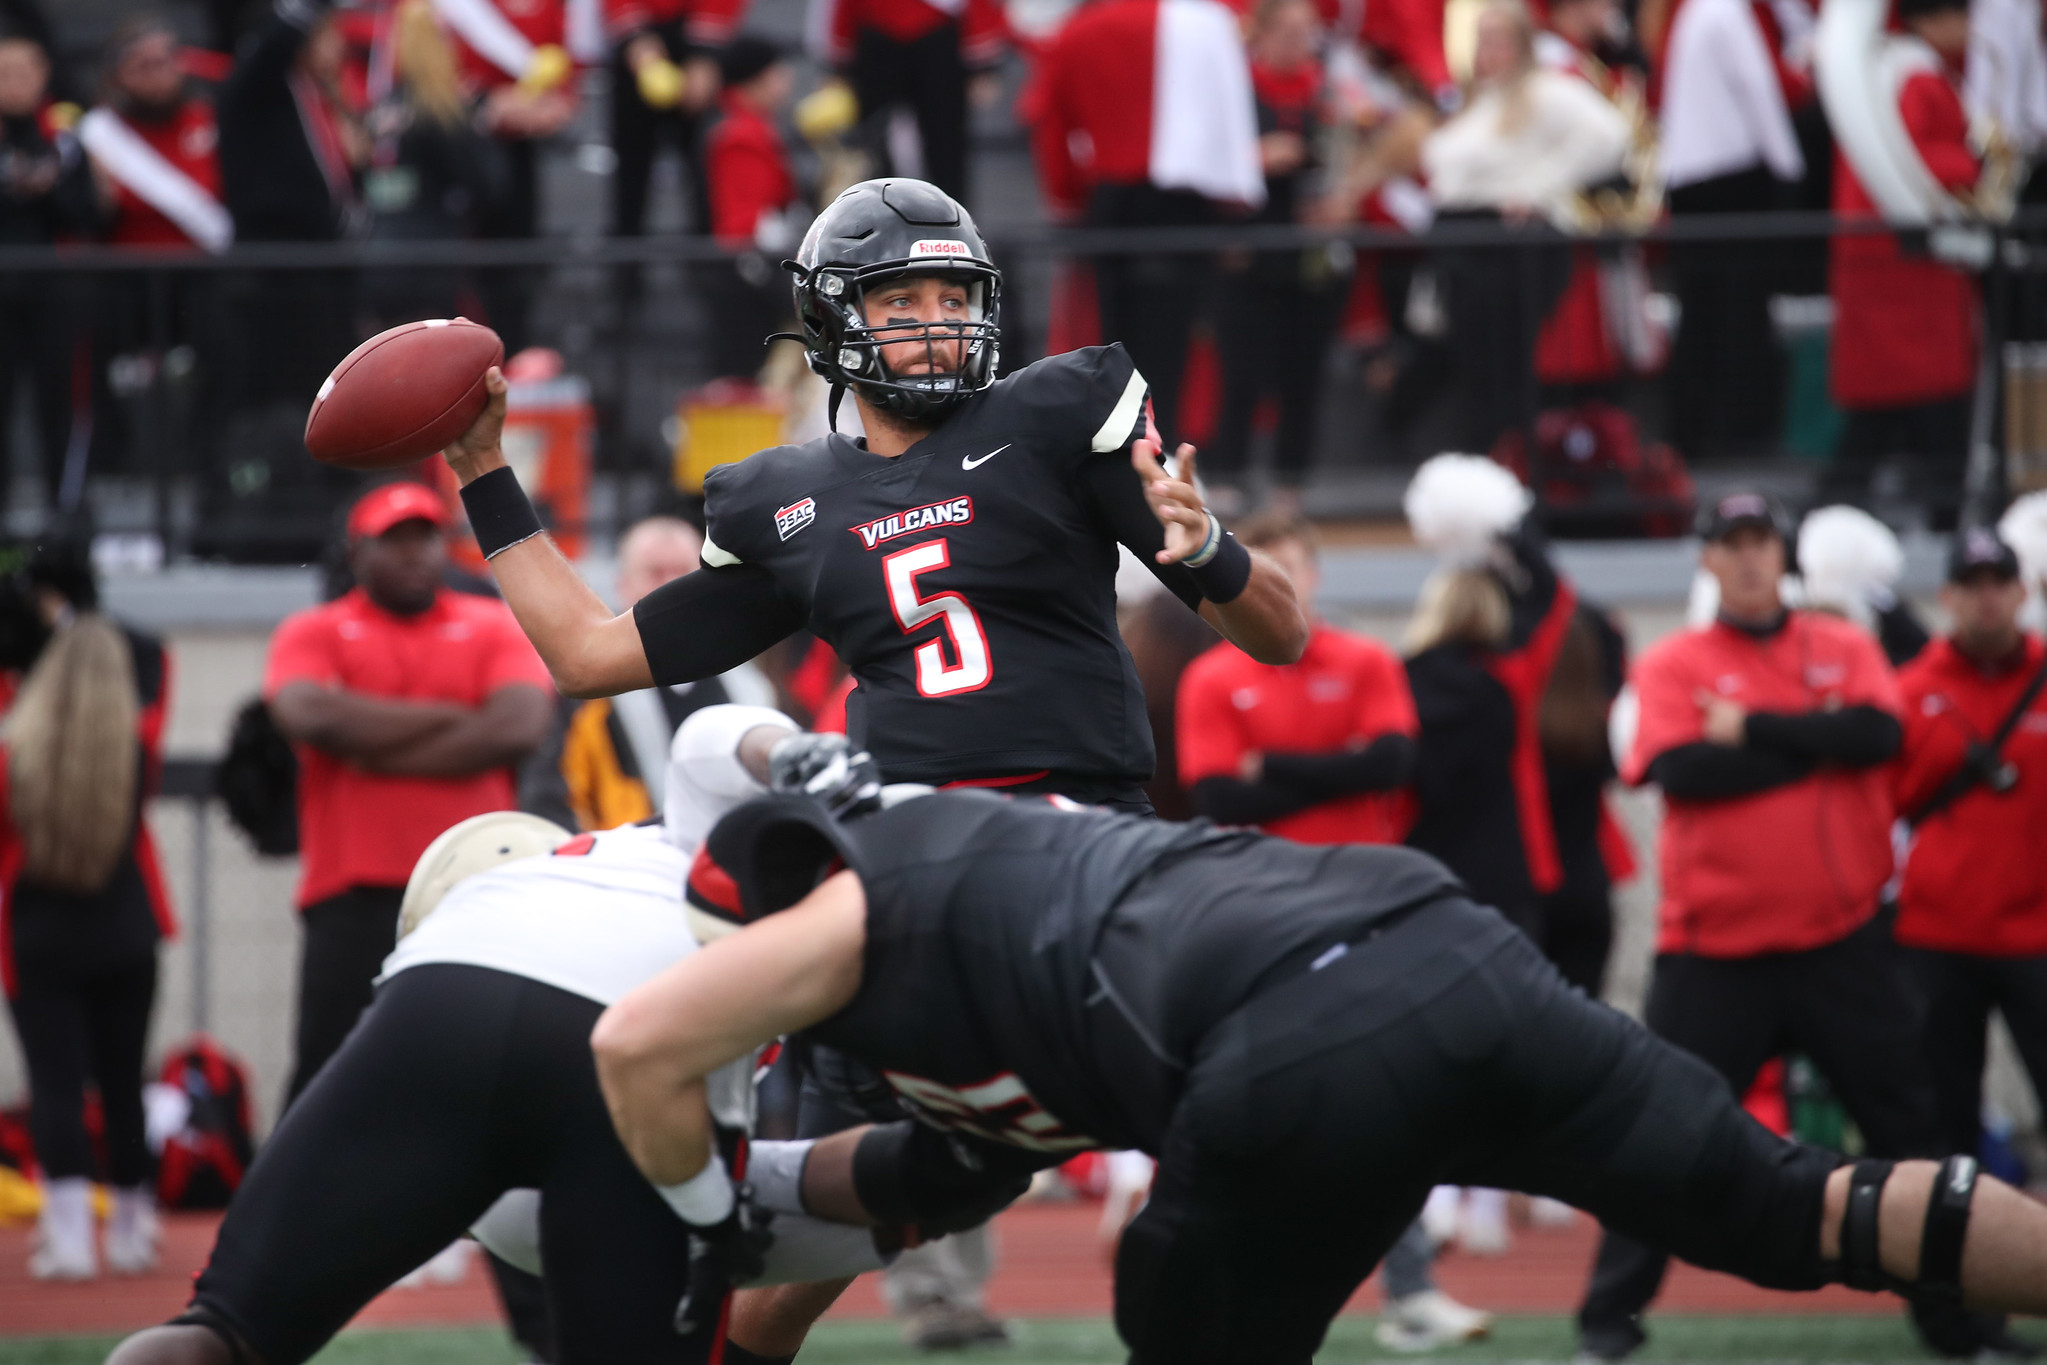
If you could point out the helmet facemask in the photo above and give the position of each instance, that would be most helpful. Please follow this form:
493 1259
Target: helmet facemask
847 349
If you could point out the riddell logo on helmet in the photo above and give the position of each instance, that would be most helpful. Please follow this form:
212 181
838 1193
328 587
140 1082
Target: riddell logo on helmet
951 512
939 247
793 518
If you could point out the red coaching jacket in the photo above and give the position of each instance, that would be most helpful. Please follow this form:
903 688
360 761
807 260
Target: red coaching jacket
1345 690
1905 325
1975 880
1791 868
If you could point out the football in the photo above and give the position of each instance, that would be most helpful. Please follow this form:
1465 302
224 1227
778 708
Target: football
403 394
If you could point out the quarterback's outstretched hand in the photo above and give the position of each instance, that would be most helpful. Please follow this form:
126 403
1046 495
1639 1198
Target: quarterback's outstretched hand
1174 499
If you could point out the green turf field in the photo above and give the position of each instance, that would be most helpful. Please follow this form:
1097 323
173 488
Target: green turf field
1089 1341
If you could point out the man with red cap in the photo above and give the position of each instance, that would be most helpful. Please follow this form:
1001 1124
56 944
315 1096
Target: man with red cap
409 707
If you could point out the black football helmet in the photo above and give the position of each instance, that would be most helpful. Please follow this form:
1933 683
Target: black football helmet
880 230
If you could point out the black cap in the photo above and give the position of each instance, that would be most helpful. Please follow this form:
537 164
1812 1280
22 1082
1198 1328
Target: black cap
1724 516
746 57
1980 549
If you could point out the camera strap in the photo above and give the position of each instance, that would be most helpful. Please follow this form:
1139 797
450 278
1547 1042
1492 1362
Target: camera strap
1972 772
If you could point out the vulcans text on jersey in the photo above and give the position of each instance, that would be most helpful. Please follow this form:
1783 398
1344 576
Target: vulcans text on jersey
952 512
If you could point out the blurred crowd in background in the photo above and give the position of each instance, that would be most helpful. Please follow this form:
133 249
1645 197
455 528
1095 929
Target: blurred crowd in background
1487 132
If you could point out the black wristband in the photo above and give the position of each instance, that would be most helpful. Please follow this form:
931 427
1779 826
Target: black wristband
1224 576
499 512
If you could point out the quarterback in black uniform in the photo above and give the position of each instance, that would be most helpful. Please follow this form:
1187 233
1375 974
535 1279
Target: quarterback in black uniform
1307 1038
961 559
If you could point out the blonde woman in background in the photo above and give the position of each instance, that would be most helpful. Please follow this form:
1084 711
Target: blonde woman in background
432 175
1527 142
81 919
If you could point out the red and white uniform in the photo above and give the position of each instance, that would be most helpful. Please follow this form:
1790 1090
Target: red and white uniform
1974 880
1345 691
166 176
1905 326
496 39
1146 90
1795 867
834 24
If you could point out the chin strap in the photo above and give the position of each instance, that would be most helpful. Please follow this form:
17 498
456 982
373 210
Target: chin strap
1940 1241
831 412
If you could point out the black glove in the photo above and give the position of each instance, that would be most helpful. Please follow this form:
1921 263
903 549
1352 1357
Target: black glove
828 768
721 1256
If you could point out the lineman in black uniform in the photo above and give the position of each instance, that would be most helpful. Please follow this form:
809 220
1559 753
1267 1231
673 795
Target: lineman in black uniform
961 559
1307 1038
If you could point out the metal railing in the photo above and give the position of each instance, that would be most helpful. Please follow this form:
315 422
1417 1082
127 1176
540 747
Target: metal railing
626 313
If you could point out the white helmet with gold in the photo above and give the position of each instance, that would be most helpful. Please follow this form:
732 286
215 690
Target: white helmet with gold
477 844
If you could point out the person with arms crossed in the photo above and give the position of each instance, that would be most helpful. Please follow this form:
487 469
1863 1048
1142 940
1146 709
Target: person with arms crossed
1768 731
410 707
1055 979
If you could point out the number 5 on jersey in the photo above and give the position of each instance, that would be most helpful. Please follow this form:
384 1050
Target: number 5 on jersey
936 677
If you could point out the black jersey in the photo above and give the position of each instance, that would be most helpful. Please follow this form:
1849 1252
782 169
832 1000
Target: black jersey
969 584
1045 975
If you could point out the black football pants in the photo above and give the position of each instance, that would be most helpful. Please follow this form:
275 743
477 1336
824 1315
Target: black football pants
461 1083
1959 991
1847 1005
1445 1050
347 938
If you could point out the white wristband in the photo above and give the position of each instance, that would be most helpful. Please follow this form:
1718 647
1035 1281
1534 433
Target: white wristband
1209 546
705 1199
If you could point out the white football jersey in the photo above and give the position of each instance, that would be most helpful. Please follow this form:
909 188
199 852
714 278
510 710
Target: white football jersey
597 917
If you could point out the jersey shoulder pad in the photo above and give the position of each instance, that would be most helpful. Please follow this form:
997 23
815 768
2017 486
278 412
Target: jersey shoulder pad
755 503
1093 399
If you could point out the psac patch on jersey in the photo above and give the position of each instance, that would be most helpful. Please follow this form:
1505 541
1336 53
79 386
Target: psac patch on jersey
793 518
952 512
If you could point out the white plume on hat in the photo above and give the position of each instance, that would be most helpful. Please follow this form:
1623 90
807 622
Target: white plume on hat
2024 527
1459 505
1849 561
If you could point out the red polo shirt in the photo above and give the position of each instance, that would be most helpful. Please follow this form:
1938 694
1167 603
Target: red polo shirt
364 829
1795 867
1346 690
1974 880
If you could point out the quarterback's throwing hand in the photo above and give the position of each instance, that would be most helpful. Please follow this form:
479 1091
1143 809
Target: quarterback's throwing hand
1173 498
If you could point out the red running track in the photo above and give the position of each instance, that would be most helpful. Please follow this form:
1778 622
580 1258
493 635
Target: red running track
1051 1266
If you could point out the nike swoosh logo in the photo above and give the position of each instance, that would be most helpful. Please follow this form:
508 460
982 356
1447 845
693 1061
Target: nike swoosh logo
966 463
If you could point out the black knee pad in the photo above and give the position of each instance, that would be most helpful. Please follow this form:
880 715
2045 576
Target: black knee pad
200 1316
1940 1240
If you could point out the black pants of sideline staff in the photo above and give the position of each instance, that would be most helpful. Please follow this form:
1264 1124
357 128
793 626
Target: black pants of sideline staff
347 938
1845 1005
1959 991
